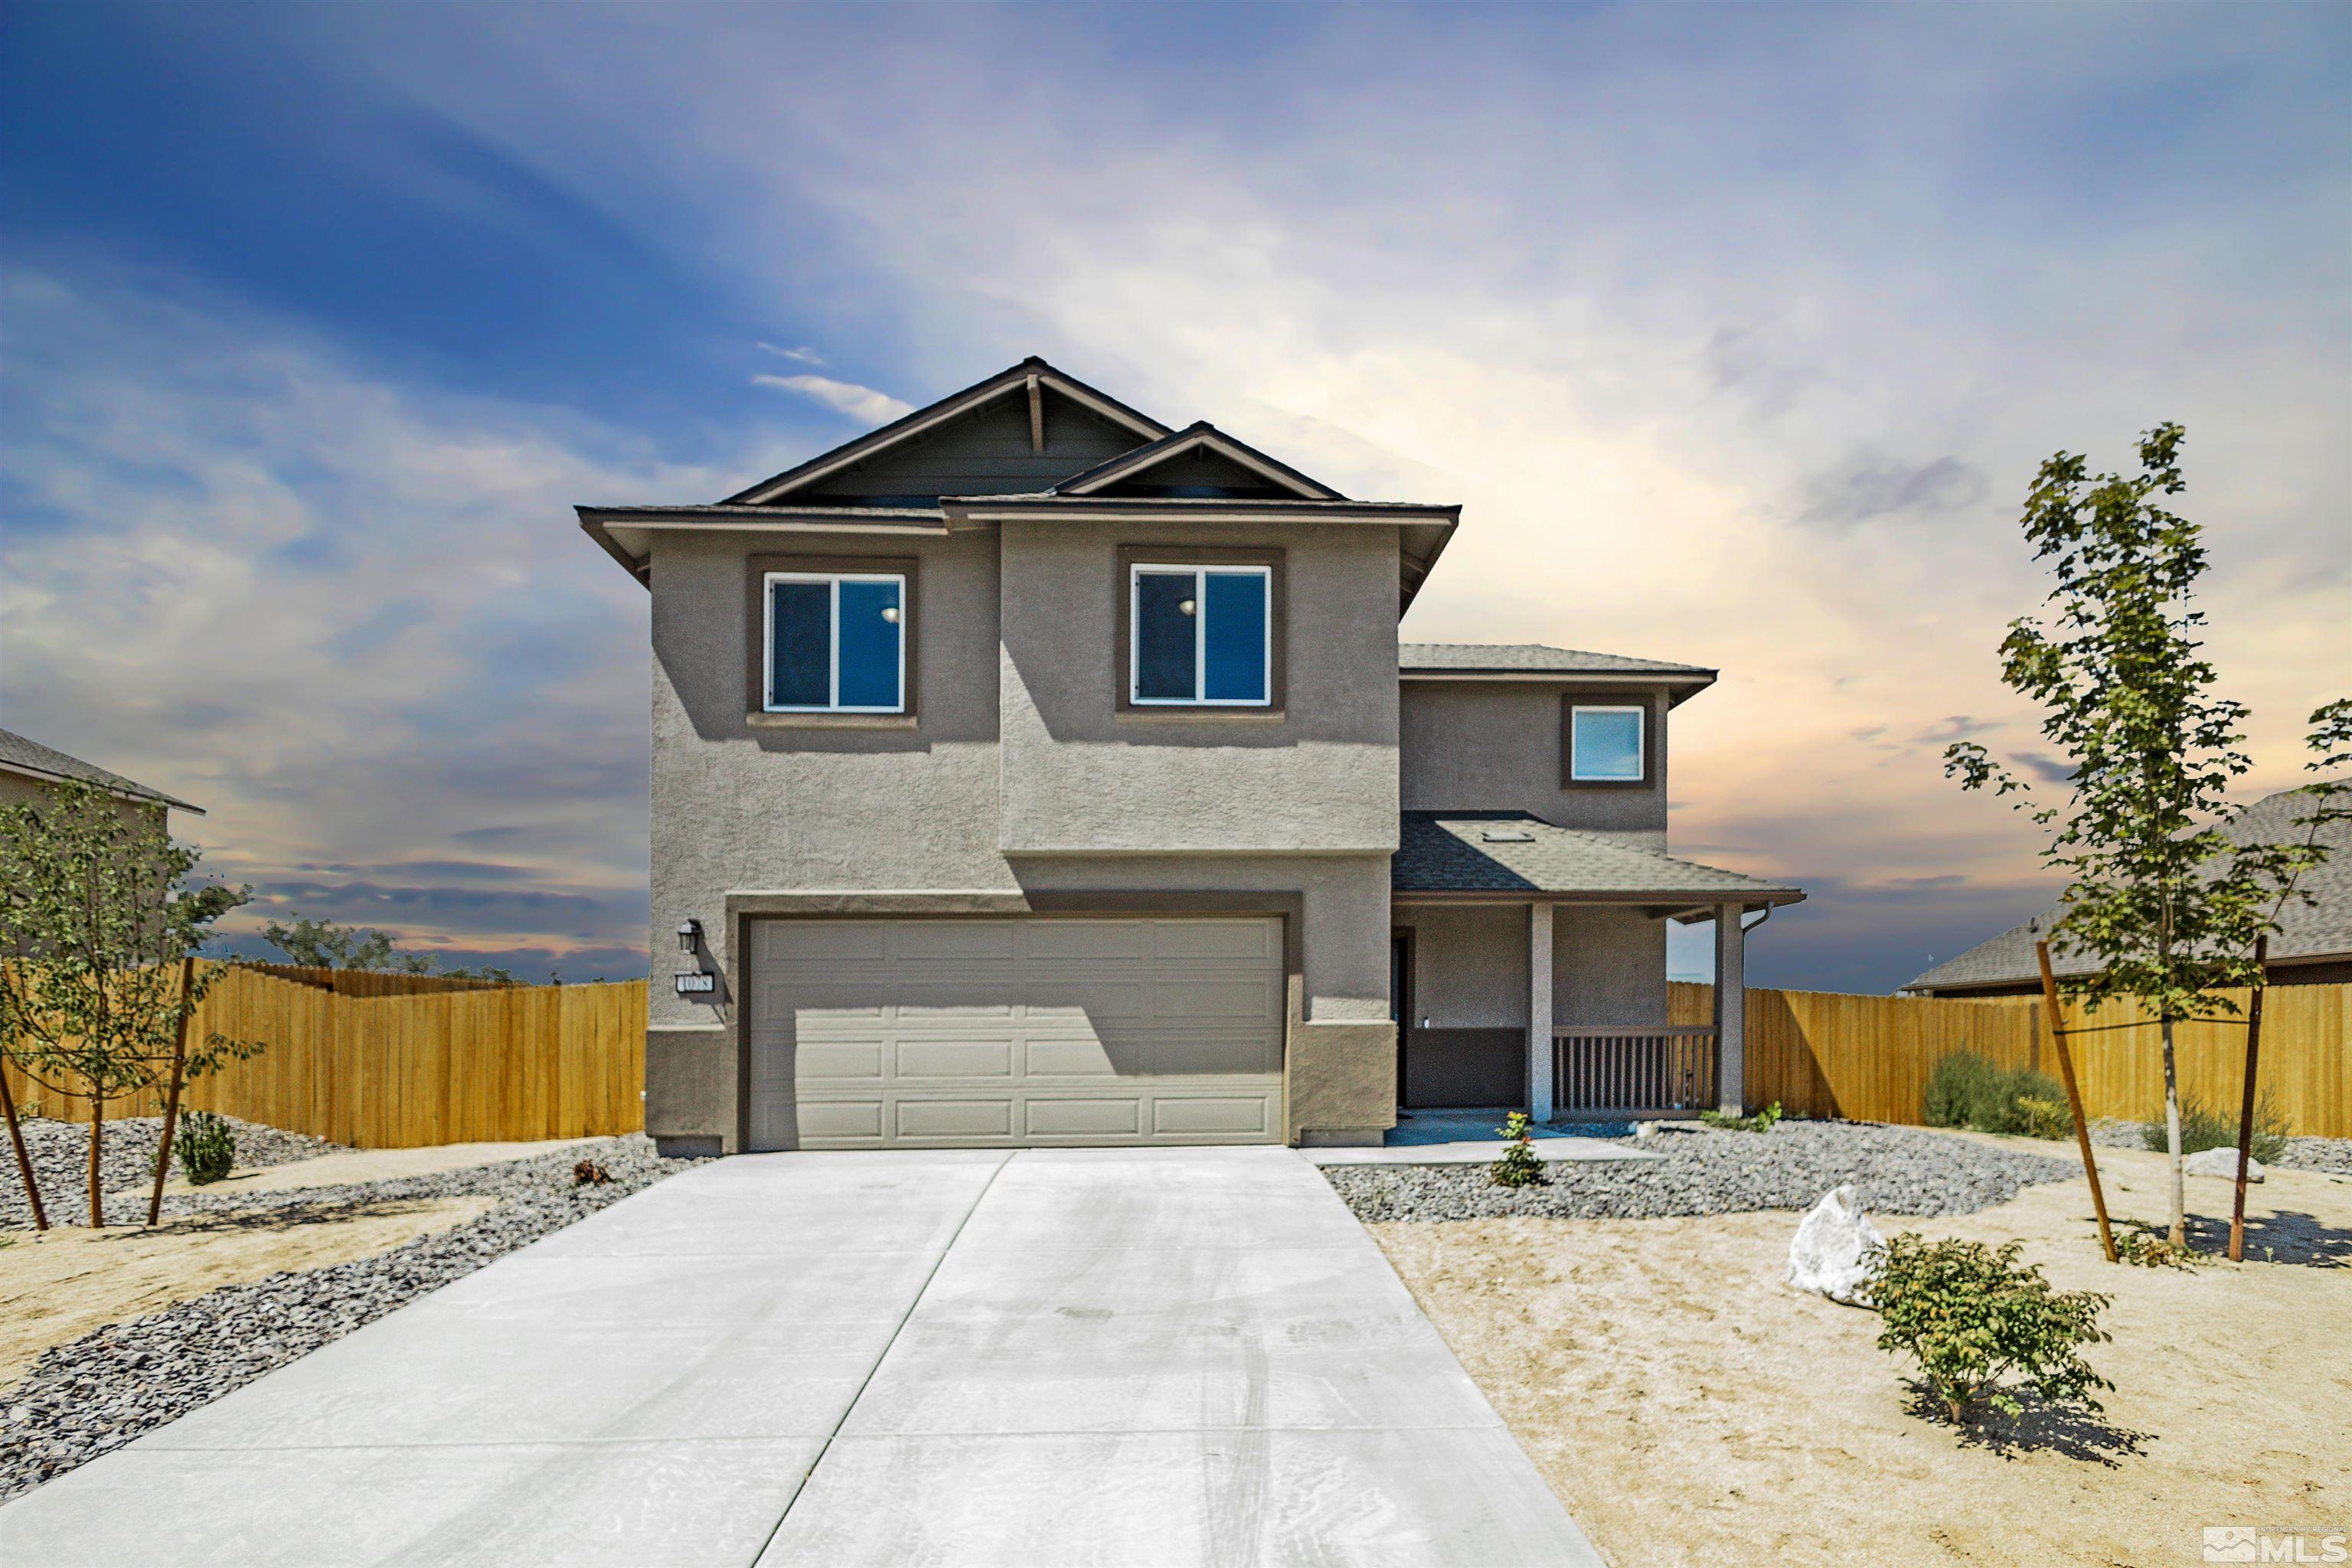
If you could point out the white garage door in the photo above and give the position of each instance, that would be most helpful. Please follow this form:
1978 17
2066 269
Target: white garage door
929 1033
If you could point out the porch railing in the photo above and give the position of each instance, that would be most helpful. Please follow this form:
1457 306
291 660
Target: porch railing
1658 1069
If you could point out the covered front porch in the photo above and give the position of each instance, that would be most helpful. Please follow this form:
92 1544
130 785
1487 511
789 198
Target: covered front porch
1528 970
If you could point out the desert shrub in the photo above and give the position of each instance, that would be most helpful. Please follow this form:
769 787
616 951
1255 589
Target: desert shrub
2203 1126
207 1147
588 1174
2045 1118
1763 1121
1519 1167
1969 1091
1973 1318
2149 1249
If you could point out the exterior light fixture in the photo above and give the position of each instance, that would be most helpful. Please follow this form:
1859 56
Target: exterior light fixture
689 935
890 613
1186 608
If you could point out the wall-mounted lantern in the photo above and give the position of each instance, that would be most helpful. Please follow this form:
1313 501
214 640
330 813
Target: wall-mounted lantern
689 935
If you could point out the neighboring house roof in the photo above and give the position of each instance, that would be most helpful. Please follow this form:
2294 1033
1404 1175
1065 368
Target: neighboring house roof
1004 382
1515 852
2308 933
1199 437
33 759
1534 661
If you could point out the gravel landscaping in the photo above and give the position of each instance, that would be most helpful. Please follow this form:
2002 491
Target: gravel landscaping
1895 1170
2332 1155
60 1152
102 1390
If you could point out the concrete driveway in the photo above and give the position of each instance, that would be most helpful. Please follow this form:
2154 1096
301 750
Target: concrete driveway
1098 1357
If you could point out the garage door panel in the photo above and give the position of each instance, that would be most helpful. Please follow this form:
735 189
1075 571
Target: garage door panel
1251 942
874 1033
939 942
942 1118
955 1059
1055 940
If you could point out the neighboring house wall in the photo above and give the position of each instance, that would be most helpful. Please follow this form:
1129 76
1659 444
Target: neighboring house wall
21 789
1496 746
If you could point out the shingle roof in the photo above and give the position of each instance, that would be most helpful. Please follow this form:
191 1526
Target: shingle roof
1527 657
2322 929
1513 852
20 755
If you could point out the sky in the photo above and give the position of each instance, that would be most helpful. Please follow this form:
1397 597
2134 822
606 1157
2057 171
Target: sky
1738 331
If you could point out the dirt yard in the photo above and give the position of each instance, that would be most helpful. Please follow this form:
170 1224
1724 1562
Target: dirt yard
1689 1409
58 1285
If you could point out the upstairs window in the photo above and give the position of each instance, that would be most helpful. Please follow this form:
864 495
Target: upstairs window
1605 745
1200 635
836 642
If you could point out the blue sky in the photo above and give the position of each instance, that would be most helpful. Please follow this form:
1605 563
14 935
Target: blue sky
1737 330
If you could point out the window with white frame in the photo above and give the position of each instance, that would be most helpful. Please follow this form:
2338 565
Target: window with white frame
1605 745
836 642
1200 635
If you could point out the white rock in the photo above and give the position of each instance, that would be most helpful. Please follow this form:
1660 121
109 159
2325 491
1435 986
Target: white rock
2221 1162
1833 1242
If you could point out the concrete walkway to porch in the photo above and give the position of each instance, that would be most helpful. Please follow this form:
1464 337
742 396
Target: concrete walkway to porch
1178 1356
1469 1138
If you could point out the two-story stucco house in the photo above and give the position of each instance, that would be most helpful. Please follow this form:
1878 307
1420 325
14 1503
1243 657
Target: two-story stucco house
1028 772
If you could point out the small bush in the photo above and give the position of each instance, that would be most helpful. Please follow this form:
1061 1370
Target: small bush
2045 1118
1519 1167
207 1147
1969 1091
2203 1127
1973 1316
1763 1121
588 1174
2150 1250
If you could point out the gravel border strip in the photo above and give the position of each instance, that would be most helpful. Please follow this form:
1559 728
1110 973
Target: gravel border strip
94 1395
61 1154
1894 1170
2332 1156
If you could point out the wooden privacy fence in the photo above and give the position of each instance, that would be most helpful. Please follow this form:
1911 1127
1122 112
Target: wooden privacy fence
478 1064
1869 1058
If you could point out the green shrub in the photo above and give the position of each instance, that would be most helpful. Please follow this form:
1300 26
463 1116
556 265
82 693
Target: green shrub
2203 1127
1973 1316
1763 1121
207 1147
1969 1091
2045 1118
1519 1167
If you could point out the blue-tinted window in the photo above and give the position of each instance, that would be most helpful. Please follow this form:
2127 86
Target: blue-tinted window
1166 663
1233 638
869 645
799 631
1607 744
836 642
1201 635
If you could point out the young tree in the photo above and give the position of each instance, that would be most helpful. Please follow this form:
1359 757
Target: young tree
97 912
2166 902
323 944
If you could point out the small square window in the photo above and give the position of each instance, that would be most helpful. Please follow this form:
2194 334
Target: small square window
836 642
1605 745
1200 636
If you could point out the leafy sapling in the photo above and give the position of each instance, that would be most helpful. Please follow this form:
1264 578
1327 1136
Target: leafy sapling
1519 1167
1980 1323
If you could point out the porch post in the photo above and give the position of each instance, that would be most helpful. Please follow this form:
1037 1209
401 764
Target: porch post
1539 1101
1730 1010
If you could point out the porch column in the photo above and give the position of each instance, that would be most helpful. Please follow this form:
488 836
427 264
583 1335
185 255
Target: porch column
1539 1101
1730 1010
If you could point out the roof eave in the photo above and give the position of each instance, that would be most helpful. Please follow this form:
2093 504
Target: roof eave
138 791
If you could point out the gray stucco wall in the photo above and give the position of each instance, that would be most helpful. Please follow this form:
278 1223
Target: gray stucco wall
1152 804
1608 966
1496 746
1078 775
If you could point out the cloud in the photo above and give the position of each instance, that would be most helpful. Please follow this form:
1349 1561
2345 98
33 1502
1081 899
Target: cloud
1868 487
860 403
804 355
2048 769
1957 726
350 621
